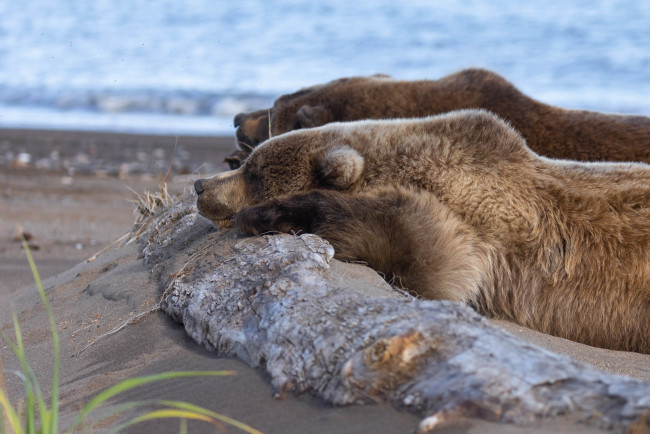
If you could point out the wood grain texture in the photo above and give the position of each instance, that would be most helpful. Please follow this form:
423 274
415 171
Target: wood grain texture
281 302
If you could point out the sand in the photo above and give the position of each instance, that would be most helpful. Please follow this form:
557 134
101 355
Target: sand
74 204
71 216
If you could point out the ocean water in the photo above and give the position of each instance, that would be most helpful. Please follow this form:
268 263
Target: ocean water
188 67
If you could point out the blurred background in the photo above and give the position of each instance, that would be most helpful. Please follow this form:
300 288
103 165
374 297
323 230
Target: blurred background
186 67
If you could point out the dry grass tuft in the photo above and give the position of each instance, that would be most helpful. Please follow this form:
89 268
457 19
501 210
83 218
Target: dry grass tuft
147 205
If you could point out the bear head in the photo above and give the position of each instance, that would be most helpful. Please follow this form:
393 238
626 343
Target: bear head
315 162
354 156
307 108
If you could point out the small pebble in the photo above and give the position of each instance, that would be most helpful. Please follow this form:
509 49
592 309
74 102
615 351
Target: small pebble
24 158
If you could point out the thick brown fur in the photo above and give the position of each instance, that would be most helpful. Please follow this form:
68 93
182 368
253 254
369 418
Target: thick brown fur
456 206
550 131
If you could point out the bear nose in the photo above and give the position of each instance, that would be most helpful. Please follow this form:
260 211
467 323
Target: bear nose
198 186
238 119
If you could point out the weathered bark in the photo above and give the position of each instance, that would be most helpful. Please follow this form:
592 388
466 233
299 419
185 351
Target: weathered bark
340 332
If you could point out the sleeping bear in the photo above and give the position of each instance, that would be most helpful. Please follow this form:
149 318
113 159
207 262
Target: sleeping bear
457 207
548 130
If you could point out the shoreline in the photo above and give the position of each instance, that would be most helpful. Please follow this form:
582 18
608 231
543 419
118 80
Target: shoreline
109 153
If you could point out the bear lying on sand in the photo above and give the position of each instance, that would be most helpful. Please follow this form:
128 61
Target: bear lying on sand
457 207
549 131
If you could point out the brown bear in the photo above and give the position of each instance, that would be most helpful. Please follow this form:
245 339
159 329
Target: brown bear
549 131
457 207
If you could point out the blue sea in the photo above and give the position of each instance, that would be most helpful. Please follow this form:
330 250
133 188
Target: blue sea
186 67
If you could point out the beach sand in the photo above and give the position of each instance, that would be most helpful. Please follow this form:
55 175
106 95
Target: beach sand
75 205
68 190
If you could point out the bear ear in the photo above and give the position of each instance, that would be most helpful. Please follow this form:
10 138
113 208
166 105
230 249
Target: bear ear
339 167
312 116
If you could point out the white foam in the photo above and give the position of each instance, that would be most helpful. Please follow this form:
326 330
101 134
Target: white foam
43 118
209 60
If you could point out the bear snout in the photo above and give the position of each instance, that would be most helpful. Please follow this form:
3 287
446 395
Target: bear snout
239 118
220 197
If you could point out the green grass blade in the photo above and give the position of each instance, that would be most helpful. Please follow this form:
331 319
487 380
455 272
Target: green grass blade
18 350
32 389
200 410
10 413
49 419
52 423
44 413
120 408
127 406
130 383
165 414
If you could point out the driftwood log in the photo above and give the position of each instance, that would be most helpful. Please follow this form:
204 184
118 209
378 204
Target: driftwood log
281 302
